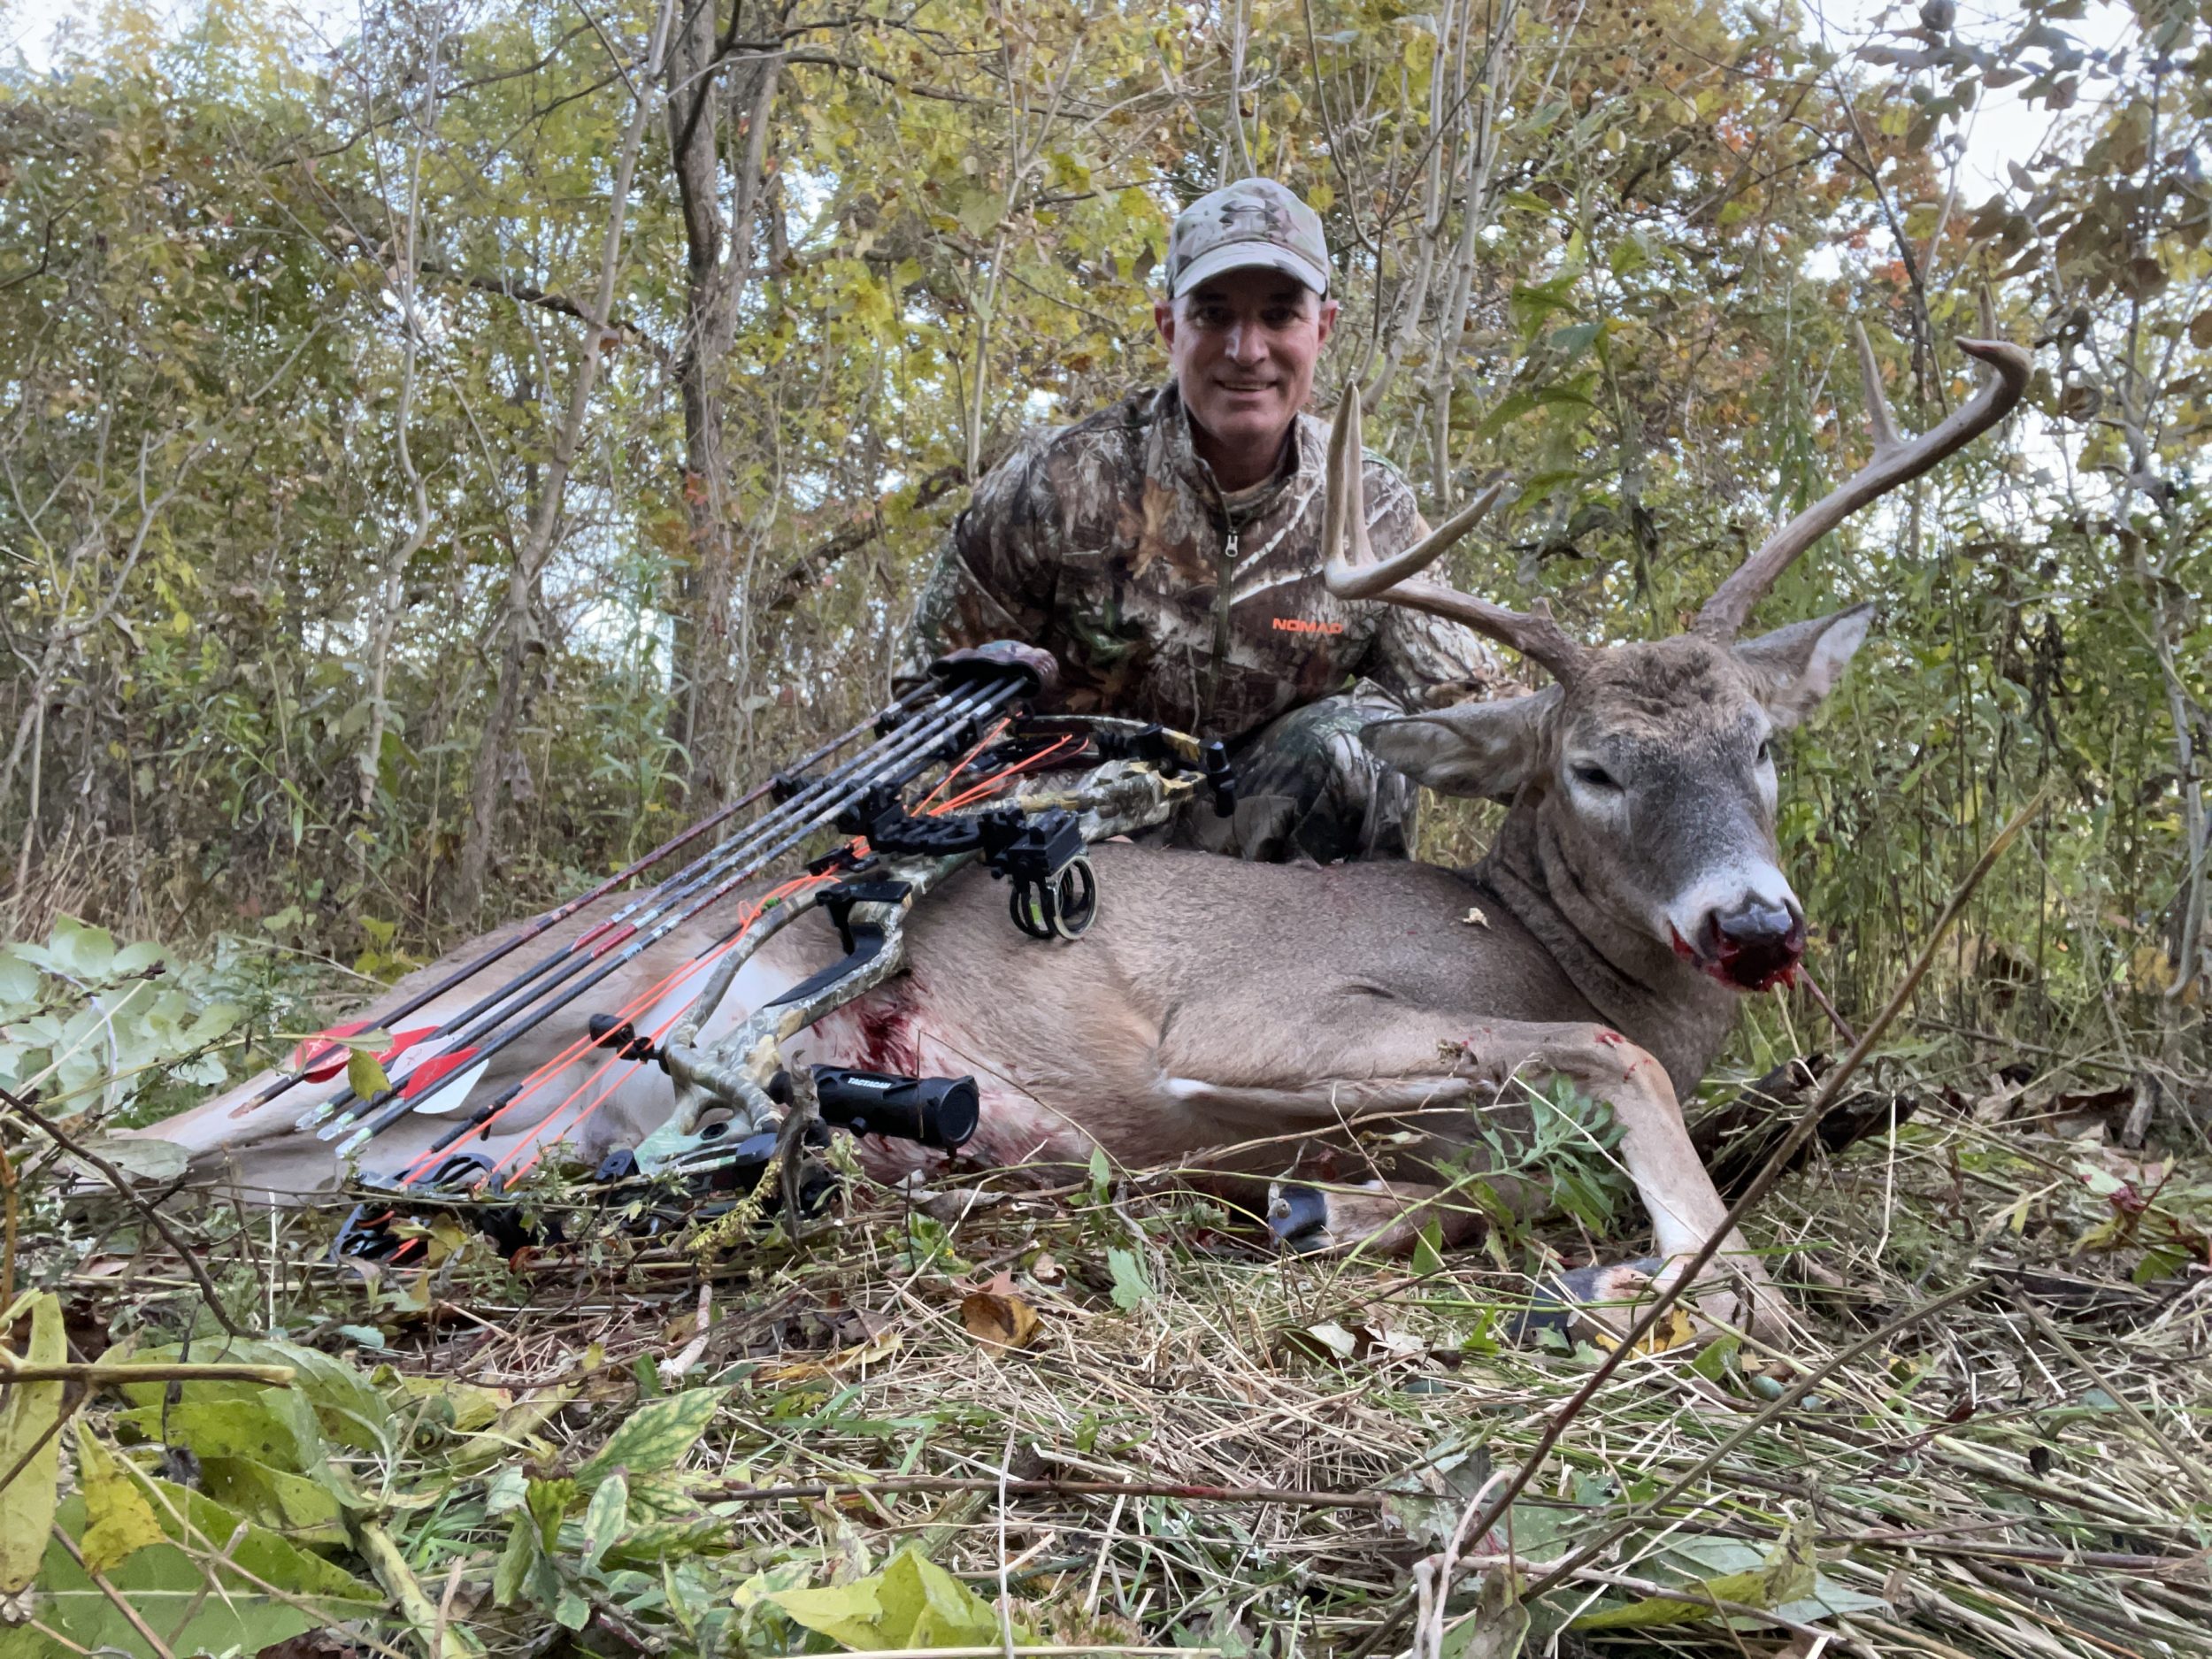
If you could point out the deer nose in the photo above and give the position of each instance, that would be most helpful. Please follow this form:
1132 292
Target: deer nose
1755 944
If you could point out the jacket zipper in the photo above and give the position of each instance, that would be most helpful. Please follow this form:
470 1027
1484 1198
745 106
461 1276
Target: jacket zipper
1225 570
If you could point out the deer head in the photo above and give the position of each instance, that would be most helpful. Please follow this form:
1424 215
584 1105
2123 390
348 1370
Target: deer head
1648 768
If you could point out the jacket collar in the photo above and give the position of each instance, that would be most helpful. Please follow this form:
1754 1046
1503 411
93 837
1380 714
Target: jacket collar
1173 459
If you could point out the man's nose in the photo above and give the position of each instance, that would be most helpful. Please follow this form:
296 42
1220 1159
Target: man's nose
1247 342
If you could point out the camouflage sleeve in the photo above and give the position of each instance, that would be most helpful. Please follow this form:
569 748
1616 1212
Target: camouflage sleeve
1424 660
990 581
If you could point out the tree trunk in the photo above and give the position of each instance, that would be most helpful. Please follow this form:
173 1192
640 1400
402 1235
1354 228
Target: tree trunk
701 712
515 631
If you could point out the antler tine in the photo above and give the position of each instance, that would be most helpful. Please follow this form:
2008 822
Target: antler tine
1352 570
1878 415
1894 462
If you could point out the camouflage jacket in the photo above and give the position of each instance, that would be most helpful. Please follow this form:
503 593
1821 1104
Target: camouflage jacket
1106 543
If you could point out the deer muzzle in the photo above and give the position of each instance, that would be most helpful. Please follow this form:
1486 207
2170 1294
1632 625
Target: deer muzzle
1753 947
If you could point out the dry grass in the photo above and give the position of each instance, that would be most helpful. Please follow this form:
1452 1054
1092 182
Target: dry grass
2024 1472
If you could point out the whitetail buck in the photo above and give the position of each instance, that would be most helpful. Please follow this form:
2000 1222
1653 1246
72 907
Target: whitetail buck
1630 900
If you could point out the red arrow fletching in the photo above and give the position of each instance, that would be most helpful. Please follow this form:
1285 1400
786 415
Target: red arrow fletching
431 1071
322 1055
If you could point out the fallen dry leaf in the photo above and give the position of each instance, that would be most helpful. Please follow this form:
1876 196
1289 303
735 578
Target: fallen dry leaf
998 1318
846 1360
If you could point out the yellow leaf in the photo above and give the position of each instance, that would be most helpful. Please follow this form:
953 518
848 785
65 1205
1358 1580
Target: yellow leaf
30 1443
1674 1328
119 1521
867 1355
365 1077
913 1602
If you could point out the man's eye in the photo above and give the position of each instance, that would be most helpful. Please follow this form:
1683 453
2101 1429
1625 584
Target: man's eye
1595 775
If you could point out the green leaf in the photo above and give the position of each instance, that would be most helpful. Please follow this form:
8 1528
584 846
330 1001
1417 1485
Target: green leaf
913 1602
20 981
84 953
329 1396
150 1162
521 1564
1786 1575
505 1490
604 1520
301 1508
655 1437
1131 1286
219 1429
269 1557
1428 1248
1571 342
1496 1627
165 1587
30 1442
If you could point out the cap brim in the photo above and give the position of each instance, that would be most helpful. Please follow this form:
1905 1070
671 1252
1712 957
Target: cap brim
1250 256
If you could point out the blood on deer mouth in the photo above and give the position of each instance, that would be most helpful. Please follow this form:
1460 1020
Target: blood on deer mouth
1759 967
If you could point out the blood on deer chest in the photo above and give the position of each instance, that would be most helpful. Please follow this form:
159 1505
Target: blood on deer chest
891 1030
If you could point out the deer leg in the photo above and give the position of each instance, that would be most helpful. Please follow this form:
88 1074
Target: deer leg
1677 1193
1416 1066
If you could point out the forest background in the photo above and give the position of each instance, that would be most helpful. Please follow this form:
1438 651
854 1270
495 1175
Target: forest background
445 449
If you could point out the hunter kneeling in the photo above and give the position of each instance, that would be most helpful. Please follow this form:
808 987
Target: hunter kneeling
1167 552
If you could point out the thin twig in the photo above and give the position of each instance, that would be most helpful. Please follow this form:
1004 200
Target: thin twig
102 1374
1291 1497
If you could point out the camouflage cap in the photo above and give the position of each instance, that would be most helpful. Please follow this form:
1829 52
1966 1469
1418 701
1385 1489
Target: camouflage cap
1252 222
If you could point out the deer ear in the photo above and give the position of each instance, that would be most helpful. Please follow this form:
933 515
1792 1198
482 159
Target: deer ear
1802 663
1477 748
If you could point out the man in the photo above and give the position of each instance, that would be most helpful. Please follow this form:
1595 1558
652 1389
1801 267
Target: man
1167 552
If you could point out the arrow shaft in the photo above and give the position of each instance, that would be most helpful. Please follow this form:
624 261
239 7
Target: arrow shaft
823 799
554 918
499 1031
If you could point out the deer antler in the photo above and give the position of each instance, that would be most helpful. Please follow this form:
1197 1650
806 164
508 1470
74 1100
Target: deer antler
1894 462
1354 572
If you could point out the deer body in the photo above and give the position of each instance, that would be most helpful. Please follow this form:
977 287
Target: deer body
1230 1013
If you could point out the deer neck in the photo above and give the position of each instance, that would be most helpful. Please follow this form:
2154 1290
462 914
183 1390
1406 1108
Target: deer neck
1635 984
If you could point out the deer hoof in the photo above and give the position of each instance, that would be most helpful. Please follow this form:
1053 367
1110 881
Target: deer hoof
1563 1305
1298 1219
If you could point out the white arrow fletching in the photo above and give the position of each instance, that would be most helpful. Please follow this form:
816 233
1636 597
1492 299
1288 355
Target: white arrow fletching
451 1093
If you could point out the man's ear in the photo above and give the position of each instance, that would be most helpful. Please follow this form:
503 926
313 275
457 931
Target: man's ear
1329 310
1801 664
1164 319
1477 748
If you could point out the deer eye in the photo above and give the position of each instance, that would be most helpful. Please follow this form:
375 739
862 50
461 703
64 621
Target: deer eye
1595 775
1766 751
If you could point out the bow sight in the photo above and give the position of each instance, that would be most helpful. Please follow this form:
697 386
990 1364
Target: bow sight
959 770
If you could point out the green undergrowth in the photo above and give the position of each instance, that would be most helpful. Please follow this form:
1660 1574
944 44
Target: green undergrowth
618 1446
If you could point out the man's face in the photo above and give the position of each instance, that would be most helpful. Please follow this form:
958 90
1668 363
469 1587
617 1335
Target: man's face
1243 345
